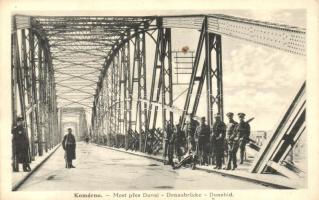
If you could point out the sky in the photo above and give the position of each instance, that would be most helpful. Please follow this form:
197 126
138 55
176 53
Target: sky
258 80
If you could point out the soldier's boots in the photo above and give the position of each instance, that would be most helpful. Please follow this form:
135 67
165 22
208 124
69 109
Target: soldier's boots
26 168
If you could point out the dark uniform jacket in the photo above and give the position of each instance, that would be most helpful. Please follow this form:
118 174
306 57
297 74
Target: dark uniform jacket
191 128
168 134
203 133
69 144
21 144
179 136
230 131
243 131
219 129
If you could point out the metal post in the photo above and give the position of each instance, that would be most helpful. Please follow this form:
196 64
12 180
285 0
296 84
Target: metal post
193 75
208 75
39 105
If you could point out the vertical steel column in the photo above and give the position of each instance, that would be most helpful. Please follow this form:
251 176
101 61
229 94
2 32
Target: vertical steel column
167 83
193 75
208 75
127 89
111 92
61 122
39 105
99 108
14 163
45 98
219 75
167 87
142 96
31 90
156 67
27 77
108 104
115 97
50 103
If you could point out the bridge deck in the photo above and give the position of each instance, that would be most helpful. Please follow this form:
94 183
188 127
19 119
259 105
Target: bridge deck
103 169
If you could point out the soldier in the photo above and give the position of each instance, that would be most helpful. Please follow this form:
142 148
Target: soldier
190 133
69 145
21 146
243 131
232 142
168 146
219 129
178 140
202 136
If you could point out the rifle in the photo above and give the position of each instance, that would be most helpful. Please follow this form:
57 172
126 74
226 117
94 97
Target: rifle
251 119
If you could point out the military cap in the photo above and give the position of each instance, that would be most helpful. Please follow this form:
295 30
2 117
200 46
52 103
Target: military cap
69 129
230 114
217 115
203 118
20 118
241 115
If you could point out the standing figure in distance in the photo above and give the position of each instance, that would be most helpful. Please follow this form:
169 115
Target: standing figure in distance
69 145
243 131
219 129
232 141
21 146
87 139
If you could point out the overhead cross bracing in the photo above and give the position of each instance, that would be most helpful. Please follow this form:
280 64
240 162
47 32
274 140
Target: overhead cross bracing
78 48
82 46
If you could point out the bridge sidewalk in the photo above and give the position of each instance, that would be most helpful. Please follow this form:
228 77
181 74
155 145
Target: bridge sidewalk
242 172
18 178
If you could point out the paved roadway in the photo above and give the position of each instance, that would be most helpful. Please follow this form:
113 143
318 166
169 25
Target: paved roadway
98 168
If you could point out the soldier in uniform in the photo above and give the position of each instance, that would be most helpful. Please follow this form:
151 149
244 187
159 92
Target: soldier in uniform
232 142
69 144
168 146
179 140
190 133
243 131
21 151
202 136
219 129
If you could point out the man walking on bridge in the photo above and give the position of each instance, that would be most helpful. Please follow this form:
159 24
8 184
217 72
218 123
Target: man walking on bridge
69 145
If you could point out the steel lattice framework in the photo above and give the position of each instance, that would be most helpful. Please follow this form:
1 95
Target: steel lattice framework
99 62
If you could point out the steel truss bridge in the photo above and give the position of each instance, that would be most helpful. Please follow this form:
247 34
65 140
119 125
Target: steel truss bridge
98 63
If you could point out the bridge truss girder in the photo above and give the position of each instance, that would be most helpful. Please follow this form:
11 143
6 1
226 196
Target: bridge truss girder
33 89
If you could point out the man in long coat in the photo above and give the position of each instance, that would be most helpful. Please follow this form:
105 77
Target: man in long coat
69 145
20 142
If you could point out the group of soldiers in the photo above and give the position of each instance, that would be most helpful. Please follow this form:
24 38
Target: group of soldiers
203 142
